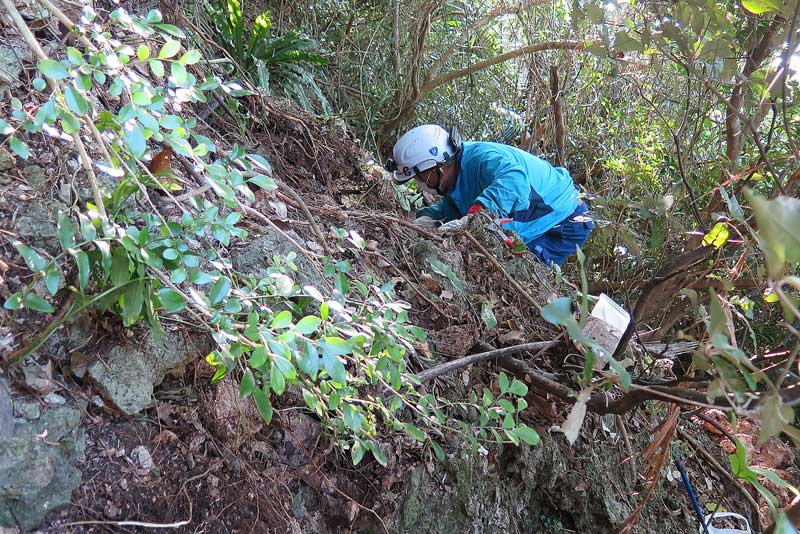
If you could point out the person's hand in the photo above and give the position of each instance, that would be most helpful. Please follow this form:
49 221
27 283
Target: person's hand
455 226
427 222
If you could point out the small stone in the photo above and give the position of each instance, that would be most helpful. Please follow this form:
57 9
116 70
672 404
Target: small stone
36 176
142 456
54 398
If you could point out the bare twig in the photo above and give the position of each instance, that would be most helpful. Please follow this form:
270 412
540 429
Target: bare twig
454 365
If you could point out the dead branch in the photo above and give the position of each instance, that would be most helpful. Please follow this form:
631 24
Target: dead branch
454 365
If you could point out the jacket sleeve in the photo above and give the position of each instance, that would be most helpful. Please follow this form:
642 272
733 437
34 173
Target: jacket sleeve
507 188
442 211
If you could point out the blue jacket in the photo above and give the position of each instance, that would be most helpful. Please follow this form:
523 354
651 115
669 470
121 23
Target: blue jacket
511 183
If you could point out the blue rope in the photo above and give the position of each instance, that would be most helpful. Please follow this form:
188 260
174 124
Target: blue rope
692 495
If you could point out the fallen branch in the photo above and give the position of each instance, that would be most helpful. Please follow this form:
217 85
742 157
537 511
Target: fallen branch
460 363
408 224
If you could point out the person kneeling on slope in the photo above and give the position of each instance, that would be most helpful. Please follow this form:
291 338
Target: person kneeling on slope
541 200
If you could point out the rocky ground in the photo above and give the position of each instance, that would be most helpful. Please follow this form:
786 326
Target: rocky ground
104 430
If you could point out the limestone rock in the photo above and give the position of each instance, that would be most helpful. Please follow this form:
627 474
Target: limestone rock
37 227
127 374
37 465
256 258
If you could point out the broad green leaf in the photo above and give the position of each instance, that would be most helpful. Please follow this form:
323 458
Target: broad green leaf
178 73
265 183
120 267
308 361
14 302
357 452
759 7
277 381
378 453
248 384
84 271
19 147
133 299
157 67
502 381
75 100
444 270
778 220
5 128
437 451
52 279
190 58
53 69
32 301
518 388
334 366
142 52
415 432
171 300
169 49
262 404
70 123
527 434
282 319
66 231
307 325
39 84
774 416
32 259
170 29
220 290
134 141
487 315
717 236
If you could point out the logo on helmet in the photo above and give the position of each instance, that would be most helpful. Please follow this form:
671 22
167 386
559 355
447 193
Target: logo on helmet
434 151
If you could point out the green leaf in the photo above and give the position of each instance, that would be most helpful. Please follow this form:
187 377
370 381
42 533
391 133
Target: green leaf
487 315
444 270
53 69
248 384
142 52
262 404
282 319
65 231
778 220
171 300
759 7
308 361
190 58
170 48
717 236
378 453
502 380
5 128
70 123
157 67
84 271
52 279
415 432
437 451
19 147
32 259
527 434
75 100
120 267
74 55
277 381
307 325
32 301
170 29
334 366
14 302
133 299
357 452
220 290
178 73
134 141
39 84
518 388
265 183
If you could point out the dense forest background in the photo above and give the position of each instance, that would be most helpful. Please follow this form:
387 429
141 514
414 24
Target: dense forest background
173 138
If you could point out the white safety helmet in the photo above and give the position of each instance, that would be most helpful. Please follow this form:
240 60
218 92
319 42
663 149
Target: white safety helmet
423 148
